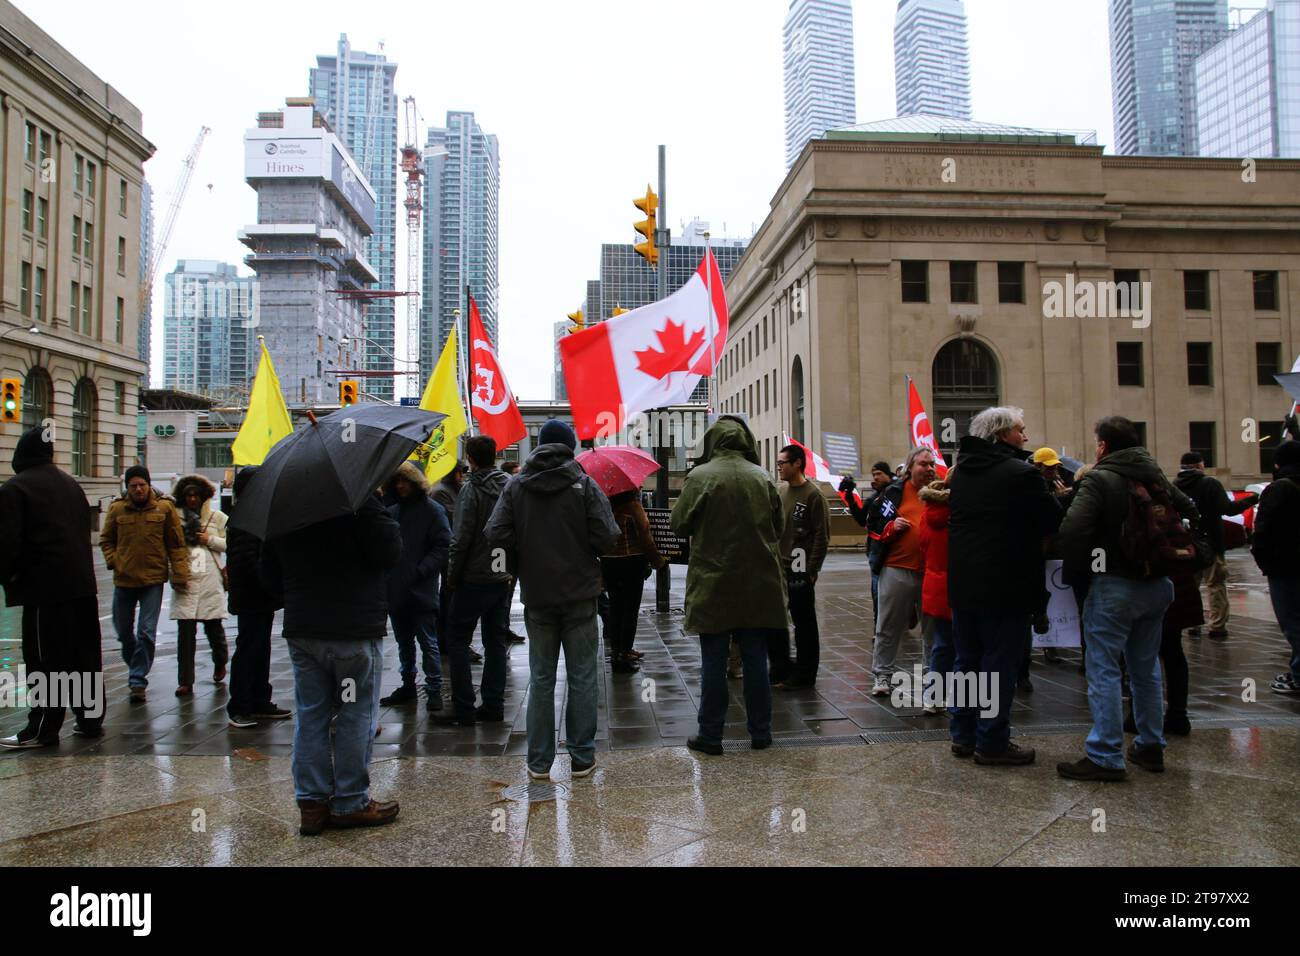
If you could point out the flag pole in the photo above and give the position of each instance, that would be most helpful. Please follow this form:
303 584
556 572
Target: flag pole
462 362
713 332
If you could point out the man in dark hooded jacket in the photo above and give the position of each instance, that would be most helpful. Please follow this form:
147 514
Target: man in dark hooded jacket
1125 607
735 587
47 570
1213 504
1276 549
413 585
556 523
480 587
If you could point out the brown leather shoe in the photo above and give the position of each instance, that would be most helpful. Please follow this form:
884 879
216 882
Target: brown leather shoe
376 814
315 814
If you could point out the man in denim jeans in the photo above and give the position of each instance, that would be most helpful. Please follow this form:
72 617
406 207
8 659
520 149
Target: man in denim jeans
1125 607
556 522
332 578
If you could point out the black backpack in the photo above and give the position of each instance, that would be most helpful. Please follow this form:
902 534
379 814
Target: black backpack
1153 537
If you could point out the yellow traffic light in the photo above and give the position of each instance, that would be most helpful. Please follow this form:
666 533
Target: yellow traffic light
348 392
11 399
579 321
648 204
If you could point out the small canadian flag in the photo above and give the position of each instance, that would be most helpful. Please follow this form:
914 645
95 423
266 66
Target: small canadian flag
647 358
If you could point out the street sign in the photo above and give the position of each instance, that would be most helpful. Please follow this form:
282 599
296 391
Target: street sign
164 431
841 453
410 401
673 547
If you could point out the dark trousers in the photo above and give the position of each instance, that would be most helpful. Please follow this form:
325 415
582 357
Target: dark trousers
1174 663
802 595
471 603
414 626
250 668
625 583
186 635
713 682
444 610
992 645
64 666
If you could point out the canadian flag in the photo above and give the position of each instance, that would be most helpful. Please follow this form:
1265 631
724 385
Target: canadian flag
647 358
494 408
821 471
922 433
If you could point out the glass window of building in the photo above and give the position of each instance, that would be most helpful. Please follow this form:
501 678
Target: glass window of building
37 392
119 398
25 288
1129 282
1011 282
45 148
74 305
1198 363
119 319
42 217
121 255
1196 291
1141 429
27 210
121 197
76 235
78 173
1265 291
1128 359
90 179
1268 362
962 281
85 310
38 296
87 245
1200 438
83 422
916 281
29 147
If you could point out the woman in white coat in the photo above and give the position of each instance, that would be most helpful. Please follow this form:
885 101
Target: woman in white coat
205 598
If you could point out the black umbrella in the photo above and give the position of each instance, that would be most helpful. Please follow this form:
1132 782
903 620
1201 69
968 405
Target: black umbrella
329 466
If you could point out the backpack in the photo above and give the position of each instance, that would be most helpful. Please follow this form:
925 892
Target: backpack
1153 537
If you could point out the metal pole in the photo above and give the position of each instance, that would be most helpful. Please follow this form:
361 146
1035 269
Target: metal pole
465 349
663 577
712 326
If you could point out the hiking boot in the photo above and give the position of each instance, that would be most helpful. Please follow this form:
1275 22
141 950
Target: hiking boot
1148 758
374 814
1177 725
960 749
1285 684
1013 756
138 695
271 712
241 721
314 815
1085 769
700 745
405 694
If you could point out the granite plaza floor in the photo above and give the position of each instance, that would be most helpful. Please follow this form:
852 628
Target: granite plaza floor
851 780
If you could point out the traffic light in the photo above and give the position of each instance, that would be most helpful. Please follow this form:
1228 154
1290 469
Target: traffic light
11 399
648 204
579 321
348 392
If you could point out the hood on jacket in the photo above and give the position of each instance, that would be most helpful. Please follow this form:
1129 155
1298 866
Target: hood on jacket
488 480
549 469
1133 463
1187 480
977 454
32 450
729 434
1286 460
412 473
935 493
205 488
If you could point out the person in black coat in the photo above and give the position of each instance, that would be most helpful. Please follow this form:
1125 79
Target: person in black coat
413 587
1276 549
332 578
254 608
47 569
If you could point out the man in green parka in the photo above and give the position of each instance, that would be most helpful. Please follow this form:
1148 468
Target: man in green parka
731 511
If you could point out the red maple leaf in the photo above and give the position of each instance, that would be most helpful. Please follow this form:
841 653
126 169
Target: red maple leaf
676 353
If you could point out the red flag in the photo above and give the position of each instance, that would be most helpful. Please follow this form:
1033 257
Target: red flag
494 408
647 358
821 471
922 434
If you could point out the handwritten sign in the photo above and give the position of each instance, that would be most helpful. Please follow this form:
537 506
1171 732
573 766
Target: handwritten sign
1062 611
673 547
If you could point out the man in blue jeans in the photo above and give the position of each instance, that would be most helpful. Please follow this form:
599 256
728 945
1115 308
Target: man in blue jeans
331 576
733 515
142 541
553 522
1276 548
1126 602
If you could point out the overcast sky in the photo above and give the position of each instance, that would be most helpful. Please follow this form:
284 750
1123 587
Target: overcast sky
574 91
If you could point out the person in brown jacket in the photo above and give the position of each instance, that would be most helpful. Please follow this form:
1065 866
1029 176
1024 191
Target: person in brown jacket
624 568
142 541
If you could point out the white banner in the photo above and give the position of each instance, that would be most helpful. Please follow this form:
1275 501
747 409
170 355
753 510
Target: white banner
1062 611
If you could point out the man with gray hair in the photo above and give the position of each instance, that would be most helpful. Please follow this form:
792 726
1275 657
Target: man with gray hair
897 560
1001 512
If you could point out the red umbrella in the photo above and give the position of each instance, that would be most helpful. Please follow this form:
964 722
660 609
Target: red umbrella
618 468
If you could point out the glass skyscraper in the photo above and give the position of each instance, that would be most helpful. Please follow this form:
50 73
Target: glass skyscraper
145 334
1153 49
1248 88
819 71
210 316
354 92
462 187
931 59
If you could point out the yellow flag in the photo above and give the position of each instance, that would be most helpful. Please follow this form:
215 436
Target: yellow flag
443 395
267 420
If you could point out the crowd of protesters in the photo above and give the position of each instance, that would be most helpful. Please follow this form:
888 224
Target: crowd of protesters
961 557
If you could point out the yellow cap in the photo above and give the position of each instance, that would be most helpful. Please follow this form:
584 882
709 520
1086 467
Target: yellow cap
1046 456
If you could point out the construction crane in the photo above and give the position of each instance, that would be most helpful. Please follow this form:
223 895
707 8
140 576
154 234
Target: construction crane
413 166
173 211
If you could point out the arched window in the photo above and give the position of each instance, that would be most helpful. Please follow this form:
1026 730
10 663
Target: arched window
965 382
83 429
37 395
797 401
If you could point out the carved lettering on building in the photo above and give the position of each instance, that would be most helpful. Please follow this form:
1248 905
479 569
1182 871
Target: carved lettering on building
916 229
977 172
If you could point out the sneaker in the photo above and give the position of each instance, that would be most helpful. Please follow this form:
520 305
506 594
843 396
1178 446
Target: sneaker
433 703
374 814
1285 684
489 716
271 712
960 749
405 694
1013 756
542 776
581 770
1148 758
1085 769
700 745
185 690
138 695
18 742
932 709
880 688
1177 725
241 721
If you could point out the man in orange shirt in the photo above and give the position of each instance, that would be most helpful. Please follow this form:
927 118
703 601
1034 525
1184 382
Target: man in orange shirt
901 566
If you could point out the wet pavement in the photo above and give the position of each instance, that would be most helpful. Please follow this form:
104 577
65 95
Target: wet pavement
851 779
